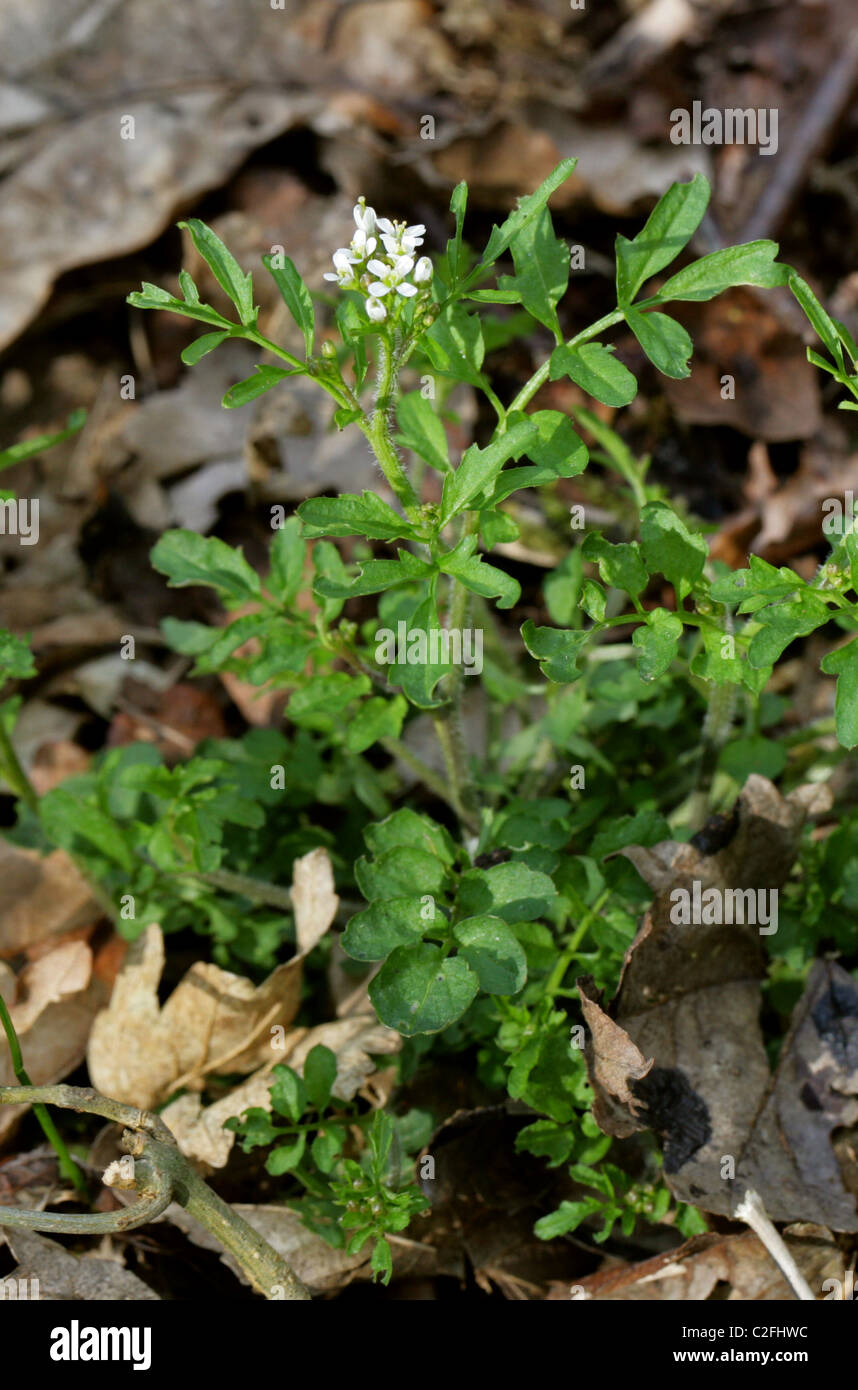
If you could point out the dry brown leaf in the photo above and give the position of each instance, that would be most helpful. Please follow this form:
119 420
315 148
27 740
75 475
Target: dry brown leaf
692 1272
87 187
63 1277
689 999
139 1052
214 1021
615 1062
40 896
52 1004
49 979
317 1264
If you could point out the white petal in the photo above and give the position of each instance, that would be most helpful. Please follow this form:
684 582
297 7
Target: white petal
364 217
378 268
417 230
403 265
384 224
378 288
330 275
391 245
406 289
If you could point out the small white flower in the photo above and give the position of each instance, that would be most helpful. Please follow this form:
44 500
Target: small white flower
376 310
423 270
343 272
365 217
391 276
398 239
362 245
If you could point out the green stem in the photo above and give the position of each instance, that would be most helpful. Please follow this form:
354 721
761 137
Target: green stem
12 771
378 428
428 776
451 739
540 376
555 979
256 889
68 1167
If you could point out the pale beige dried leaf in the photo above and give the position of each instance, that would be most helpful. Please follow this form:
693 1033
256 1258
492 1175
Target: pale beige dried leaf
214 1020
199 1131
53 1036
314 901
354 1040
40 896
63 971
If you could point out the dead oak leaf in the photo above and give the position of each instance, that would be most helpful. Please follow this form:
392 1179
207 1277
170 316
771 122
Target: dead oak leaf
139 1052
40 896
689 999
52 1003
214 1020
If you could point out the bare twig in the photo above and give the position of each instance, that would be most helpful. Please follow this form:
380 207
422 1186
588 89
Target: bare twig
160 1174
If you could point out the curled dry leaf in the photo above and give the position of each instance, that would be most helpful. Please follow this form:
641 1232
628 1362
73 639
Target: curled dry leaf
63 1277
40 896
199 1130
689 1000
52 1004
614 1060
214 1021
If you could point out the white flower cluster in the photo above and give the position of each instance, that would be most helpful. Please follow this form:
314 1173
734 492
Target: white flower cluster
378 273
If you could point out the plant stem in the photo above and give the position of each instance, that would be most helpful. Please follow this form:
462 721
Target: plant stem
753 1213
555 979
257 889
451 739
428 776
12 771
161 1174
540 376
378 428
68 1167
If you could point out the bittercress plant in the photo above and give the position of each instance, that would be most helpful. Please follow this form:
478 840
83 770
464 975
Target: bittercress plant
476 911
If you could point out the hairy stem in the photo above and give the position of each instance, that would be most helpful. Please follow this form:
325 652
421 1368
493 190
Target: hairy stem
378 431
257 889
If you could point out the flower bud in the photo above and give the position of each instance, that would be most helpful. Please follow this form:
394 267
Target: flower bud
423 271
